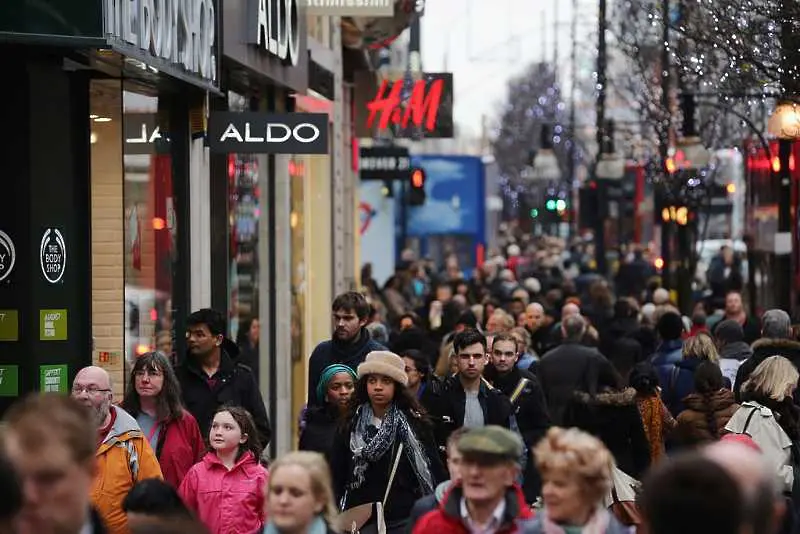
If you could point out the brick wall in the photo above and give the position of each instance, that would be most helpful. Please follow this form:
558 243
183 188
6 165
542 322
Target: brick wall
108 219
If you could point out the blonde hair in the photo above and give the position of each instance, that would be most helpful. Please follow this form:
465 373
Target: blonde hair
578 453
701 346
773 377
318 471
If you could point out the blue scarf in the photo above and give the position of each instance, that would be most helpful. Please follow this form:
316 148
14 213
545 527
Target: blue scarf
318 526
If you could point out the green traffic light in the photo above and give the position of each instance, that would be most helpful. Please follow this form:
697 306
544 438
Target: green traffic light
534 213
561 205
551 205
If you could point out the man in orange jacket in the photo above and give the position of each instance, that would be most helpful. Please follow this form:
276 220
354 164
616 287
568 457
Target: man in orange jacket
124 456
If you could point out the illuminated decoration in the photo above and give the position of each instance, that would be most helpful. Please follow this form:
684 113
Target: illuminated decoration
677 214
731 188
784 123
658 263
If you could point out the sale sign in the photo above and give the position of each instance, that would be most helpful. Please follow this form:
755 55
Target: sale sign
409 107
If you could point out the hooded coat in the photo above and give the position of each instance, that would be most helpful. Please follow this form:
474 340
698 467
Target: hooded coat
701 412
763 349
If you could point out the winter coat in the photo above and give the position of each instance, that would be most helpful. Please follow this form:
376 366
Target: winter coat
776 447
123 459
693 422
680 384
335 351
227 502
447 409
731 357
319 429
664 358
563 370
614 418
405 488
447 517
531 416
179 447
763 349
537 525
235 385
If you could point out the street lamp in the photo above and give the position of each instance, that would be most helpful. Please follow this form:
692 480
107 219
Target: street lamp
785 121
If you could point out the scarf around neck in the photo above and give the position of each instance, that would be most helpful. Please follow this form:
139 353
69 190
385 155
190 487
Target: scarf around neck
369 444
318 526
598 523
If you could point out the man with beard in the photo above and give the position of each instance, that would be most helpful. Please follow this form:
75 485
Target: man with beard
124 456
350 344
211 376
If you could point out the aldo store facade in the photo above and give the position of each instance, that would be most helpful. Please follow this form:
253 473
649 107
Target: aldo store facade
108 99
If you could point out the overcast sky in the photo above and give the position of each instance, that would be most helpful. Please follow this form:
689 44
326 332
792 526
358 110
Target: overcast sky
486 42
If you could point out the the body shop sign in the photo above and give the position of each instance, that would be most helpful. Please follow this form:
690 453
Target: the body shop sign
178 36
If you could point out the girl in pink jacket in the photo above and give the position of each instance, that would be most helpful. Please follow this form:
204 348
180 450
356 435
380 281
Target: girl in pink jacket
226 488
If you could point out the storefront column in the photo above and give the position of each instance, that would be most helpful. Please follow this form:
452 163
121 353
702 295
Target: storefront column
339 219
200 213
45 309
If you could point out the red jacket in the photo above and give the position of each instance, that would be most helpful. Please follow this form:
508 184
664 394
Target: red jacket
447 517
179 448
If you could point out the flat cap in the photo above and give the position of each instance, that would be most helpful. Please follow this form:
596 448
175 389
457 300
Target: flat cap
491 440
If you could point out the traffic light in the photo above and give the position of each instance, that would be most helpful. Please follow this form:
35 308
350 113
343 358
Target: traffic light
416 190
551 204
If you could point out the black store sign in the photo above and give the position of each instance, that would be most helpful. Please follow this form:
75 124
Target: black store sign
384 163
268 133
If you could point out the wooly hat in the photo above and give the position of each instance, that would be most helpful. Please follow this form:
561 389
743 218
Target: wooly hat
383 362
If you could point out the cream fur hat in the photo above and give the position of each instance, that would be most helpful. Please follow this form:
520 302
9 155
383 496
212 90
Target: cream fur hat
383 362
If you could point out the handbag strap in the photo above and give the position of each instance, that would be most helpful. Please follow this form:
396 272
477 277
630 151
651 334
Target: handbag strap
391 475
749 418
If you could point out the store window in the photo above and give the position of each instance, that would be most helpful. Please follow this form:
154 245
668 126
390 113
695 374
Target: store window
134 226
297 172
244 205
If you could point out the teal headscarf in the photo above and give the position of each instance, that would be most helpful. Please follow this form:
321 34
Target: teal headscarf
326 376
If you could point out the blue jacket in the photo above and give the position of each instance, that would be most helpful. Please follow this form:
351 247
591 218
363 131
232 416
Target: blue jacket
663 359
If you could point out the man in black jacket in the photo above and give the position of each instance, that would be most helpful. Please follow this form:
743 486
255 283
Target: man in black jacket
466 399
210 377
527 400
350 343
567 368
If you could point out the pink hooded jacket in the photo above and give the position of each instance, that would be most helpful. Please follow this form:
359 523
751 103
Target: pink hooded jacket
228 502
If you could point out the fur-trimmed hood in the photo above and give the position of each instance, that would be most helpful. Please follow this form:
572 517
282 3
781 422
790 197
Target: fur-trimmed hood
768 343
625 397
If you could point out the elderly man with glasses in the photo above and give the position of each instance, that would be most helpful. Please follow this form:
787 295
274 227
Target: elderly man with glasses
124 456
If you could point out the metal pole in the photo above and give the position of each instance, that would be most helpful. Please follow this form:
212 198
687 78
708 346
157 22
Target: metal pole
783 258
599 231
571 153
666 227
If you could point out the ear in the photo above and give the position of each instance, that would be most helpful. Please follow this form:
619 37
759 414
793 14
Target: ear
244 439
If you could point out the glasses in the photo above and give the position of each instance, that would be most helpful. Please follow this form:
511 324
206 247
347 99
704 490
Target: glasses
91 390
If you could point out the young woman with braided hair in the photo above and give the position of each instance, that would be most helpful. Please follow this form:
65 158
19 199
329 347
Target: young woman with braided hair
708 409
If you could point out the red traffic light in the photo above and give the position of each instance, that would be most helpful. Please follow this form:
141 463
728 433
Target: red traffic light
417 178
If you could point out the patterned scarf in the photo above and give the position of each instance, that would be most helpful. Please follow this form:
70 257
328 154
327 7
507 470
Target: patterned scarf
369 444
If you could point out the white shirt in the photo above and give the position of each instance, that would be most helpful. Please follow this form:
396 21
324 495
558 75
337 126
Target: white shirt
494 523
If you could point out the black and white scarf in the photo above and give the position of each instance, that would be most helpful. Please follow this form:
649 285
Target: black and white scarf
369 444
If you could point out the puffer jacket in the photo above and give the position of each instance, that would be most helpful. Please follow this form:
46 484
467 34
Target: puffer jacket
228 502
693 422
123 459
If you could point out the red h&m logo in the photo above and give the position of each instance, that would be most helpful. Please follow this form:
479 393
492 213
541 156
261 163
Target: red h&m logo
422 108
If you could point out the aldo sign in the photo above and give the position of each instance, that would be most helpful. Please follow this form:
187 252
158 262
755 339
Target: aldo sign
268 133
274 26
179 36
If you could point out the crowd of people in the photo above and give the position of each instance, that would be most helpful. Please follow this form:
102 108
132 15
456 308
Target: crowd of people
526 397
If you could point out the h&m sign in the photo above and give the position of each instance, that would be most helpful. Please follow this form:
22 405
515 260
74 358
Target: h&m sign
179 34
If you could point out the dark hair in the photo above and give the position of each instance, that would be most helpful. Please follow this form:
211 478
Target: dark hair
403 398
243 336
169 406
154 497
466 338
625 353
691 494
504 336
644 379
670 326
409 315
213 319
575 327
707 381
352 301
421 362
10 489
247 426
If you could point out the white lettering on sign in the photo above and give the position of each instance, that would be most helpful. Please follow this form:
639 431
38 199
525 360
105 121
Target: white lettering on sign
2 372
52 380
272 128
53 255
387 163
144 138
181 32
8 255
278 35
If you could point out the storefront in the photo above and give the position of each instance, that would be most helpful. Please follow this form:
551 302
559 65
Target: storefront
97 175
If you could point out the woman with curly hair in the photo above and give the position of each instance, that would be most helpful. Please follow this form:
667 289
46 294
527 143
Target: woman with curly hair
708 409
386 452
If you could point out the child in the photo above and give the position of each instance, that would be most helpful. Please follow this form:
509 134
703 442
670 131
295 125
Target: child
226 488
